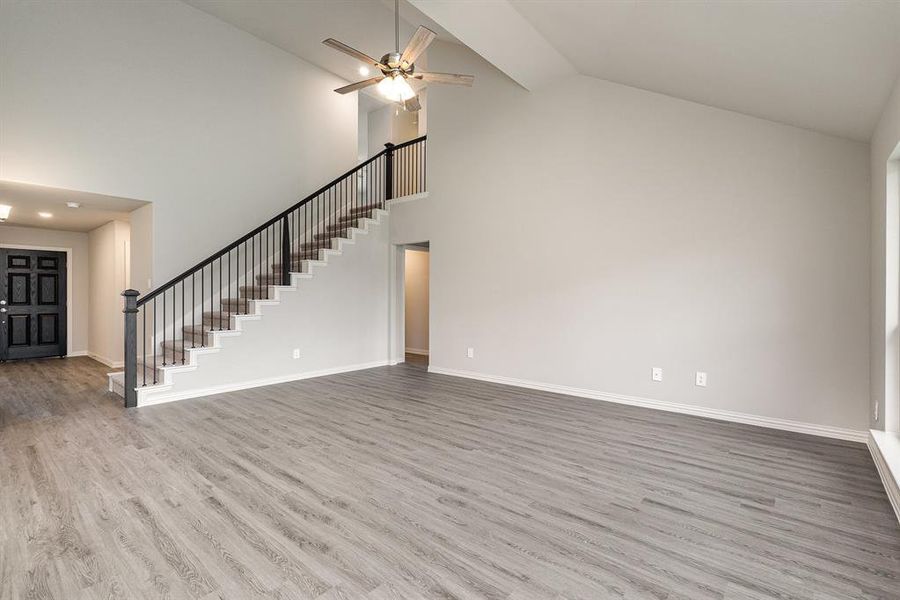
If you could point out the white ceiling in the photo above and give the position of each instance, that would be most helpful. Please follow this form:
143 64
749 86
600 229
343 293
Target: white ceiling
28 200
299 26
823 65
531 61
828 65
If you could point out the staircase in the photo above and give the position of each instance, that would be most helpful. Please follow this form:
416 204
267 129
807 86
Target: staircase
169 331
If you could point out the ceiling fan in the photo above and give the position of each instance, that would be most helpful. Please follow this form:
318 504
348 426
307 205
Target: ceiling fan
397 67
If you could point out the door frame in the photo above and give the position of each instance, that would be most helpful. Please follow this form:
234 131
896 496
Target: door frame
69 278
397 301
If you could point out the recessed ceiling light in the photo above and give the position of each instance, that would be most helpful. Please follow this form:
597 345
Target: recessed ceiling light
73 205
4 212
364 71
45 215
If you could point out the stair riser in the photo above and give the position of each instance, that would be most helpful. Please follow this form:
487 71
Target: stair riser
198 338
330 235
215 321
255 292
363 211
170 359
234 305
339 227
273 279
311 246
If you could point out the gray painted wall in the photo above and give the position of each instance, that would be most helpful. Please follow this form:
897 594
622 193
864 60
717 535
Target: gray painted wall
885 338
162 102
583 234
338 319
109 248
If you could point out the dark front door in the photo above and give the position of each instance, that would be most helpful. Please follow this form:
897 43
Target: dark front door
32 303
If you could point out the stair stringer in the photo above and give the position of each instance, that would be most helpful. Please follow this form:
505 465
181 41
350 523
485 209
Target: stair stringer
335 311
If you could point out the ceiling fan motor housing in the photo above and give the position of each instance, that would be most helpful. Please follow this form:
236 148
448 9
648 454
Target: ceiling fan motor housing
395 65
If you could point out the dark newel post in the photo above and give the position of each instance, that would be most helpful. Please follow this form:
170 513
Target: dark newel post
389 171
130 311
286 258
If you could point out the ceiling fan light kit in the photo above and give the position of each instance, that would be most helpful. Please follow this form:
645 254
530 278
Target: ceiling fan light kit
396 67
395 88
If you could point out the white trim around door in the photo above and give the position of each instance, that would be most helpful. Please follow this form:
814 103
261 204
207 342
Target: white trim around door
69 278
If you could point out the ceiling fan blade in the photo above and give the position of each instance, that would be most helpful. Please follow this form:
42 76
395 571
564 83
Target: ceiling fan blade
412 105
417 45
359 85
451 78
342 47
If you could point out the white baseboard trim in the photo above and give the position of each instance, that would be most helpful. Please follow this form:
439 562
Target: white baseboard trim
78 353
418 351
113 364
163 397
888 478
687 409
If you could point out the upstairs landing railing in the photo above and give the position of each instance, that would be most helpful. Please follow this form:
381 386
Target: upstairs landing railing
162 325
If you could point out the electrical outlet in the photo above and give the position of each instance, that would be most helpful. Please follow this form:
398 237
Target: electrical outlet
470 353
701 378
656 374
296 352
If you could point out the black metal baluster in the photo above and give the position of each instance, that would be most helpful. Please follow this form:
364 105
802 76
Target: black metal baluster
183 315
154 341
285 251
221 307
194 312
144 345
252 262
203 299
164 327
174 343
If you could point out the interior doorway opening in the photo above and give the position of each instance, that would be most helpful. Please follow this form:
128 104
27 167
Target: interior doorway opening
416 306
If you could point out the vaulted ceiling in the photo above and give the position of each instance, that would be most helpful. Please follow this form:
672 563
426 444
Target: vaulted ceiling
825 66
